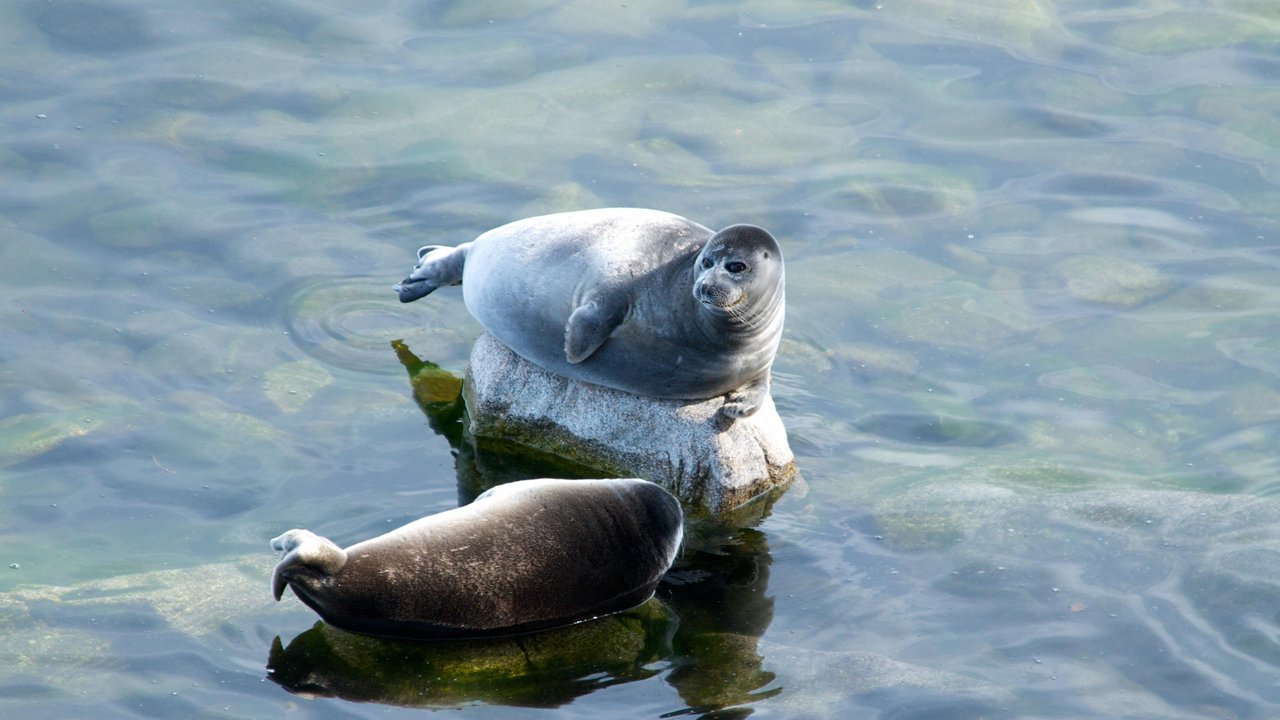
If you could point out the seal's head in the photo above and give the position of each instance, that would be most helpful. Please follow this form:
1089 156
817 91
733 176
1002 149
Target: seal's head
739 273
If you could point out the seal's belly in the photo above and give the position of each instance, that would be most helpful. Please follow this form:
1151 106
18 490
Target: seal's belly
527 312
636 361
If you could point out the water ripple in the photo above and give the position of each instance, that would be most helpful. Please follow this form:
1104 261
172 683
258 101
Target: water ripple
349 323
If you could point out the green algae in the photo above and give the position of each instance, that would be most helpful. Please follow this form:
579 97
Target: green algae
541 670
30 435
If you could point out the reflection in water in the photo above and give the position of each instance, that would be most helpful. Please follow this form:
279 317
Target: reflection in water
437 391
704 623
545 669
718 589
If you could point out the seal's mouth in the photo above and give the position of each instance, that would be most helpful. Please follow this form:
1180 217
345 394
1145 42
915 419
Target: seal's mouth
720 300
410 289
722 305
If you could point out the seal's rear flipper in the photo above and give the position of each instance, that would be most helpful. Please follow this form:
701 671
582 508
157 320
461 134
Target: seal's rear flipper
410 289
438 266
304 552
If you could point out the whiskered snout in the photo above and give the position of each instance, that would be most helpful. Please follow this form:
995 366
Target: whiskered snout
716 295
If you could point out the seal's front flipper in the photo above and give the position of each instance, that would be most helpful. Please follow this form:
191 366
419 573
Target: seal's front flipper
437 266
746 400
590 325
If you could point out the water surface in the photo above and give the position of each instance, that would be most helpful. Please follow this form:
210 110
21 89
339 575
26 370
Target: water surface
1030 369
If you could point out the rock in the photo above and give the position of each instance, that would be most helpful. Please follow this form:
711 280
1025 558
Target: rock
1111 280
675 443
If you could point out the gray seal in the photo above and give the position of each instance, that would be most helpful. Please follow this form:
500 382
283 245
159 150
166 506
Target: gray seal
637 300
524 556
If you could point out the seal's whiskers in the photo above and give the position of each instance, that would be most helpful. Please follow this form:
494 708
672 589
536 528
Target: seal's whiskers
741 317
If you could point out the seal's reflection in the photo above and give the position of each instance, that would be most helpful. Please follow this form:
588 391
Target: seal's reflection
544 669
717 589
701 628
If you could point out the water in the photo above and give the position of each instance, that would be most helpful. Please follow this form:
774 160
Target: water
1029 371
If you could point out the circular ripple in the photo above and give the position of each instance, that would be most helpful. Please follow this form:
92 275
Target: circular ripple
349 323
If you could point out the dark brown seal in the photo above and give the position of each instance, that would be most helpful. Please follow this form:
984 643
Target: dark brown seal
524 556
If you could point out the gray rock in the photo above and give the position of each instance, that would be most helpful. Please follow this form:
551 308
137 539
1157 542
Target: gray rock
675 443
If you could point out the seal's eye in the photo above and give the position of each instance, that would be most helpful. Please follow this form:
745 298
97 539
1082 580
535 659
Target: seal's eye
706 262
735 266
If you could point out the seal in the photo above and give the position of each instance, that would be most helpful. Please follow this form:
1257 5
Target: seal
637 300
525 556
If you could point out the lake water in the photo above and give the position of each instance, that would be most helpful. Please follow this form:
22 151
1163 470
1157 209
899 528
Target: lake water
1031 368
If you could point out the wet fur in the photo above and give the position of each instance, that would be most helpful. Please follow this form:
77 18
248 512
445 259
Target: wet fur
524 556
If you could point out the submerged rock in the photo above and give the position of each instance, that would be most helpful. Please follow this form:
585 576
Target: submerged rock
1111 280
678 444
839 684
